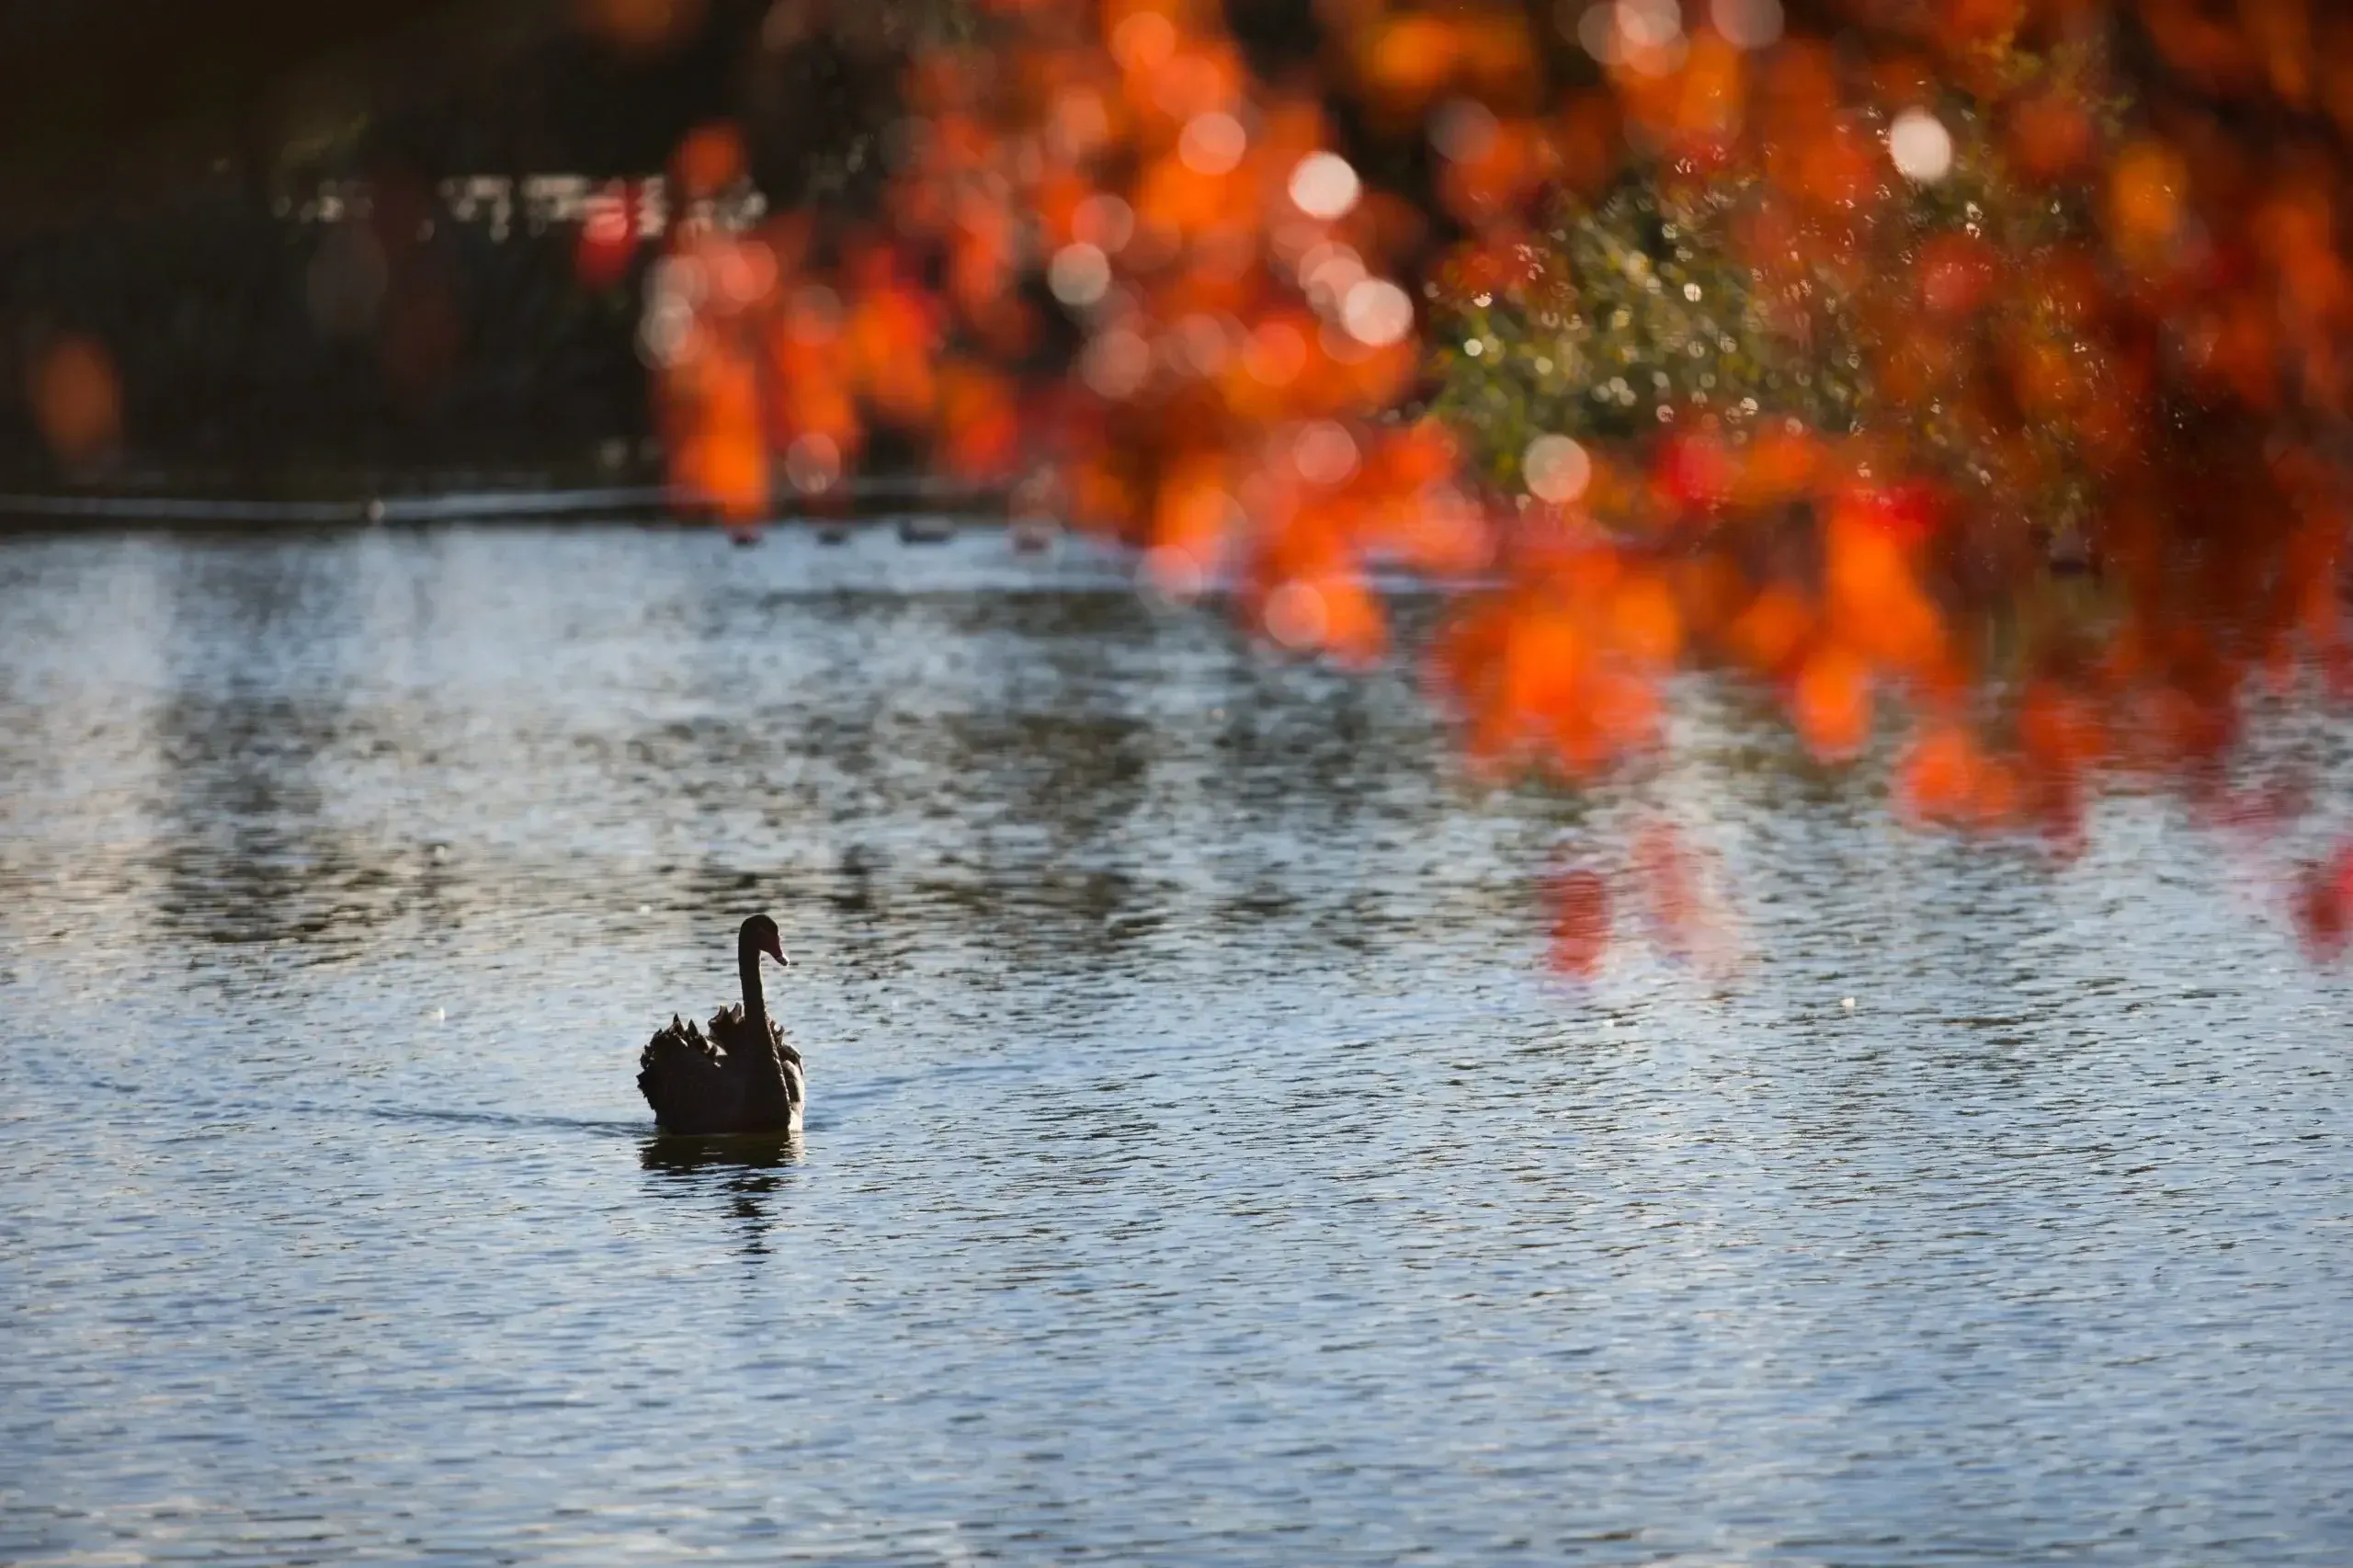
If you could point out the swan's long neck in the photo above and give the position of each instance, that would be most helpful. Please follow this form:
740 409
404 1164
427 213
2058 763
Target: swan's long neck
755 1002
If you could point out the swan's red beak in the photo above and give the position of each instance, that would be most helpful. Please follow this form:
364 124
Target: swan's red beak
774 950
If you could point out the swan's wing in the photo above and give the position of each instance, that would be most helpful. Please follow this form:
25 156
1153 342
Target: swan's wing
796 1094
674 1062
677 1041
784 1047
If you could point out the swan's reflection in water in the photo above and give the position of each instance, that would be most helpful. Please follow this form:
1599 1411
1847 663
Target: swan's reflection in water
739 1152
748 1170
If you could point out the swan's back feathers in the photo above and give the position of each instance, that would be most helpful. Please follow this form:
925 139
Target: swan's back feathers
716 1083
729 1031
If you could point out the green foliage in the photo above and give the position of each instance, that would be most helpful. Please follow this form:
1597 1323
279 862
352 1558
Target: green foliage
1639 312
1653 308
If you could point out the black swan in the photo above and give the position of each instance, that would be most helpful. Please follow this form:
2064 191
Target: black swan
742 1077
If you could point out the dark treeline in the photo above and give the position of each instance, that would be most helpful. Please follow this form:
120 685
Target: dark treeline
206 301
166 223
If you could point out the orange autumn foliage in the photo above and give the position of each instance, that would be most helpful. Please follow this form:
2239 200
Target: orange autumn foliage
1251 327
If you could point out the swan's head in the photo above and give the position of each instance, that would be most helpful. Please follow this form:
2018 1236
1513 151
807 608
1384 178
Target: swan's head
761 935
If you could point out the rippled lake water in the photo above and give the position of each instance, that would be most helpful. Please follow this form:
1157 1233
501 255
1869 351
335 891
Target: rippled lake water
1201 1166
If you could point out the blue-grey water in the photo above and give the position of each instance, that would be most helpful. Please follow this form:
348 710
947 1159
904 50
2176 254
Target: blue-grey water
1201 1166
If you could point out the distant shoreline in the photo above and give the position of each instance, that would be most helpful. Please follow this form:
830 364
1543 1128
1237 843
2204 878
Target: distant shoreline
477 503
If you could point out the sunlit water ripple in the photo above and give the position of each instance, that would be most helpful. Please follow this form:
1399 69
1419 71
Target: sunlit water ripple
1200 1169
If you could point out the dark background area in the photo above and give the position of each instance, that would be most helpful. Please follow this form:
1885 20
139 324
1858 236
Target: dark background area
157 159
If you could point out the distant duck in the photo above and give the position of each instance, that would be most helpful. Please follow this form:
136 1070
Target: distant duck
1032 507
926 528
743 1076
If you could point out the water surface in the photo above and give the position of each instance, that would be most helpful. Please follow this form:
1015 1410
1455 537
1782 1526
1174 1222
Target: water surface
1200 1167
